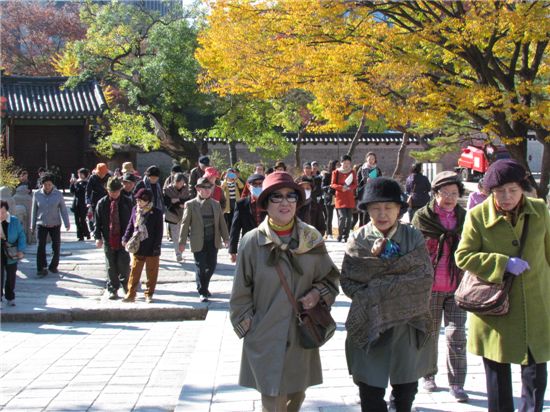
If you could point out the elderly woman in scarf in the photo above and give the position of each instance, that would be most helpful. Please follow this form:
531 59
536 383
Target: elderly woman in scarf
387 273
145 225
273 361
441 222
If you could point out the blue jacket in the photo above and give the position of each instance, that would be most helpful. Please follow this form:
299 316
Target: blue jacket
16 236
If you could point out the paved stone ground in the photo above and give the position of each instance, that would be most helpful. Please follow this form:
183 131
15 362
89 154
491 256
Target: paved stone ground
155 366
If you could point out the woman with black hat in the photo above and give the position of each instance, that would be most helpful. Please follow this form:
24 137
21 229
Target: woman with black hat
273 361
387 273
441 222
489 248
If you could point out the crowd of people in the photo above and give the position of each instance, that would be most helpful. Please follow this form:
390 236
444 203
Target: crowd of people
401 277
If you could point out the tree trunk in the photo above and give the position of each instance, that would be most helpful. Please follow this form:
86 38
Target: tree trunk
358 134
232 153
397 173
542 189
298 148
175 147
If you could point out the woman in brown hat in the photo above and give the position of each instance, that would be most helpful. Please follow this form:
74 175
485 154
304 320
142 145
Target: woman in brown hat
489 248
273 362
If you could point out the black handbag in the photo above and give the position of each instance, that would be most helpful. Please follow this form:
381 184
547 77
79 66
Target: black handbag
11 251
316 326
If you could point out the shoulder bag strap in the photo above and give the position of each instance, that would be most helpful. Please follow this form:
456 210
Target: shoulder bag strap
289 294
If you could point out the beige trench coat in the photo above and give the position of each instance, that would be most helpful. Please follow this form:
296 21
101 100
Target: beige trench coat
273 362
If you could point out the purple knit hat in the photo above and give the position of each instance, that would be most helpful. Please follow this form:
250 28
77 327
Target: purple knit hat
503 171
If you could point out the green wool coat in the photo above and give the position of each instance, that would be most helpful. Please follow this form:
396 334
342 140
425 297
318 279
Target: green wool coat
488 240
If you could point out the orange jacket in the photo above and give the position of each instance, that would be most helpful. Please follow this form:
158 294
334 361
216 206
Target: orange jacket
343 199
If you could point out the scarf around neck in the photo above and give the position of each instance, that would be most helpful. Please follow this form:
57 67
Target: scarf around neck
141 220
430 226
304 239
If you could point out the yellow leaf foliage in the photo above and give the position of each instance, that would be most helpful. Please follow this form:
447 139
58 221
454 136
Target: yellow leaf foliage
351 59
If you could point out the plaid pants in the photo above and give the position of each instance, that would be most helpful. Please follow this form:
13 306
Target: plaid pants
443 305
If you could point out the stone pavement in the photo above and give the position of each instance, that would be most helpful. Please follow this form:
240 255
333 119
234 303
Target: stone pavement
95 363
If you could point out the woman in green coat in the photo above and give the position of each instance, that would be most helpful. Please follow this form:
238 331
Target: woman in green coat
273 361
489 248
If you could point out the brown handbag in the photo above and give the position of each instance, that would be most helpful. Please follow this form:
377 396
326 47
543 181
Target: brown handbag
486 298
316 326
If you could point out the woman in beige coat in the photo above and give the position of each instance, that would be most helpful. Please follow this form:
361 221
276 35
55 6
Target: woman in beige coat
273 362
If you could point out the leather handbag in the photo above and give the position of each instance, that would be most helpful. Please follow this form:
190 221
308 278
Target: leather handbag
132 246
11 251
486 298
316 326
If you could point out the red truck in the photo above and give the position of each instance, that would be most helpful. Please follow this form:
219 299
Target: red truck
475 160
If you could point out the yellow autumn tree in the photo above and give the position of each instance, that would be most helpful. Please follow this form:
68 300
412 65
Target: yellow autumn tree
423 65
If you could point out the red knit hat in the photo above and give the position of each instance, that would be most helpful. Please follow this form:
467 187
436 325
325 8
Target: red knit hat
278 180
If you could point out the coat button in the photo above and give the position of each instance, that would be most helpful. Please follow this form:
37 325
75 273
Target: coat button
515 243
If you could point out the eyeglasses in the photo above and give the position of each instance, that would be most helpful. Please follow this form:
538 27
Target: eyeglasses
448 195
256 184
278 198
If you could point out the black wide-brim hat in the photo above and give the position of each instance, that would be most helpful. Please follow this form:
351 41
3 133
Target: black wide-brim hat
279 180
382 189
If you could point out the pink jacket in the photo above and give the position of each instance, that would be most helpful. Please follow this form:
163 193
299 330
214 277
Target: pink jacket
442 277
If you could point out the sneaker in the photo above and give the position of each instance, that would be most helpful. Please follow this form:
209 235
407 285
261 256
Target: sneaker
11 302
203 298
429 384
53 270
41 273
458 393
179 258
128 300
148 299
113 295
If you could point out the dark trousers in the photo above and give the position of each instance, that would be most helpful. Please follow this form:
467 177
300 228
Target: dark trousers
229 216
345 222
372 398
55 235
117 263
82 230
206 261
329 213
8 278
534 377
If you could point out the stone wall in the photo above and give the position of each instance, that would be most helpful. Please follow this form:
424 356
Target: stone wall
386 155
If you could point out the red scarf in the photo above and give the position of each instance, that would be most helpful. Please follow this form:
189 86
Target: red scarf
114 226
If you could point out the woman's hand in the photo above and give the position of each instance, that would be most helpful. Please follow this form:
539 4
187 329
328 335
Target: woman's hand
310 299
20 255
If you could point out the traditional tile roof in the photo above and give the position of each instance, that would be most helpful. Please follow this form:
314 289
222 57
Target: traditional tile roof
339 138
45 98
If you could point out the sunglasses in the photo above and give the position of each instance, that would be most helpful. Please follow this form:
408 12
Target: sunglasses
278 198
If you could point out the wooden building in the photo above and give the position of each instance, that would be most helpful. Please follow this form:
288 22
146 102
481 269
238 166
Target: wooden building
47 125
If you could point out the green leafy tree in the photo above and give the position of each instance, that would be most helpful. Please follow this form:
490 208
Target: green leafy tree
149 58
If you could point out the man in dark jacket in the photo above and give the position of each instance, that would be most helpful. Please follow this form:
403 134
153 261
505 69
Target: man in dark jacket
128 185
151 182
79 208
95 190
197 173
248 215
311 212
112 215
